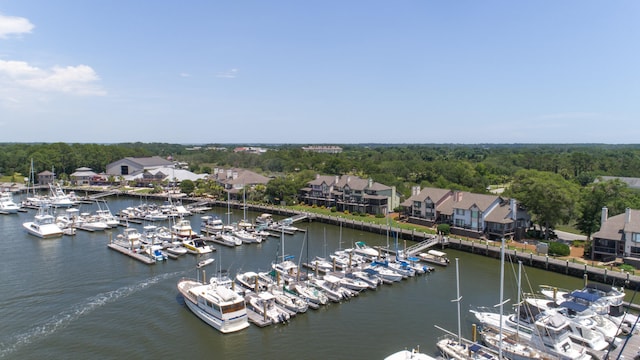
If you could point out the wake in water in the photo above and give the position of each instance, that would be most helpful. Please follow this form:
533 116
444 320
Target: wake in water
63 319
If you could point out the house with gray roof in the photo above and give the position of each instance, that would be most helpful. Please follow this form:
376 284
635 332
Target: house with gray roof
469 214
618 237
234 180
82 176
350 193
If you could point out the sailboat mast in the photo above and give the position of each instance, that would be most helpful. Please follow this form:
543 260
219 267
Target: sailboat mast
457 300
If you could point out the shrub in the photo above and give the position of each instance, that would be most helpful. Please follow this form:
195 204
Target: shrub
627 268
559 249
444 229
379 216
334 209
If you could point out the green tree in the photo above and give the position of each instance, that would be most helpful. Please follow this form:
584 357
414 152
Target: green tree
547 196
187 186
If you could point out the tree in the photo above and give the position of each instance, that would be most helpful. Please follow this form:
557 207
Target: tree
187 186
547 196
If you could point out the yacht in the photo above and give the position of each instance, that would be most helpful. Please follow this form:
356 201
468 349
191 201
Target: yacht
182 229
7 205
216 305
58 198
264 304
196 246
43 225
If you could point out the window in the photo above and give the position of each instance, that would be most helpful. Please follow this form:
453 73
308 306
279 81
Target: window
459 211
124 170
417 204
635 237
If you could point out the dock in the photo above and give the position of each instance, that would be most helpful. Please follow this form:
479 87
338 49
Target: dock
217 241
140 257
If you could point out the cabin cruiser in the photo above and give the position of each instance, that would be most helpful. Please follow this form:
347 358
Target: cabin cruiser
264 304
43 225
434 257
182 230
289 301
196 246
216 305
7 205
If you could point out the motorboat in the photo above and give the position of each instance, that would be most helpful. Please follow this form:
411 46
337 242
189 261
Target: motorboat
129 238
211 224
43 225
331 289
361 248
512 347
7 205
92 222
252 281
369 276
413 354
182 229
289 301
264 219
452 347
176 250
434 257
196 246
313 296
228 239
384 273
58 198
264 304
247 237
288 270
156 252
104 213
216 305
150 236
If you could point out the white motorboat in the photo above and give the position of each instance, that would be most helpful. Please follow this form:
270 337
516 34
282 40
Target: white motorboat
216 305
386 274
129 238
414 354
361 248
211 224
92 222
182 229
177 250
288 270
104 213
313 296
196 246
331 288
434 257
289 301
252 281
58 198
247 237
43 225
512 347
7 205
264 304
367 275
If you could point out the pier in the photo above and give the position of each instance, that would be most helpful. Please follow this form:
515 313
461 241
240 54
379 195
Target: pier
140 257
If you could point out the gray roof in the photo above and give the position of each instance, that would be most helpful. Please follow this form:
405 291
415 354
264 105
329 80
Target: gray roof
150 161
434 194
327 179
246 177
614 226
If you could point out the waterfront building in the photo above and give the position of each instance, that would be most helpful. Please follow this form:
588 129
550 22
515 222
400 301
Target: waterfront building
618 237
46 177
83 176
350 193
234 180
136 165
469 214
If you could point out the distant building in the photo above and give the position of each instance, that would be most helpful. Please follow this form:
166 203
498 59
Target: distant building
46 177
83 176
234 180
135 165
350 193
328 149
632 183
250 149
170 175
618 237
469 214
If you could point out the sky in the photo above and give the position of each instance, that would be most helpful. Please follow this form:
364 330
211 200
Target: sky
320 72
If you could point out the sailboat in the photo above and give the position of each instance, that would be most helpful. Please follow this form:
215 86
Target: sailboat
454 346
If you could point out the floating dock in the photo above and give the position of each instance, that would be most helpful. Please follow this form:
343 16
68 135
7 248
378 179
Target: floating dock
140 257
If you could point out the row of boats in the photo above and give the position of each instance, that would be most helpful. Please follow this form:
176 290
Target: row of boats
277 295
550 324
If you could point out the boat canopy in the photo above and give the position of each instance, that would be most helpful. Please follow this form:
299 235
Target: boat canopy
574 306
590 297
436 253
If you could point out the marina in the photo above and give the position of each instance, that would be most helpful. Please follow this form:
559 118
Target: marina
88 292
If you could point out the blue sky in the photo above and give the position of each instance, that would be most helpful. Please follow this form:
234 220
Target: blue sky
423 71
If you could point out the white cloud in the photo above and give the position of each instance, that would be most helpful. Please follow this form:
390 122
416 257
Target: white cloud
77 80
228 74
184 74
14 25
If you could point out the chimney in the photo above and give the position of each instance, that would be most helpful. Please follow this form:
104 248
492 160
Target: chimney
317 176
415 190
229 173
370 185
627 216
234 175
457 196
337 179
514 209
348 178
604 216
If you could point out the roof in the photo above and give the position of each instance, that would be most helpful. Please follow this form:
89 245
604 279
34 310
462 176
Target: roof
46 173
358 183
434 194
327 179
466 200
80 172
614 226
244 176
169 174
150 161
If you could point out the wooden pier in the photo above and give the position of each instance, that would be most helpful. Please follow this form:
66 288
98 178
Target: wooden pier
140 257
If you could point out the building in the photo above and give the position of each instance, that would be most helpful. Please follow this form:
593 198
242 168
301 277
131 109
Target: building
323 149
167 175
46 177
234 180
135 165
618 237
350 193
468 214
83 176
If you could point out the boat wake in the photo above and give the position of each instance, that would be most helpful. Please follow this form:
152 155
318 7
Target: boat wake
65 318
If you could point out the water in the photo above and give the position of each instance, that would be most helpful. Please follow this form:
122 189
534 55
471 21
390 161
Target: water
74 298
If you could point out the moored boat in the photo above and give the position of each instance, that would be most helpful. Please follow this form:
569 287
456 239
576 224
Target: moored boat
216 305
